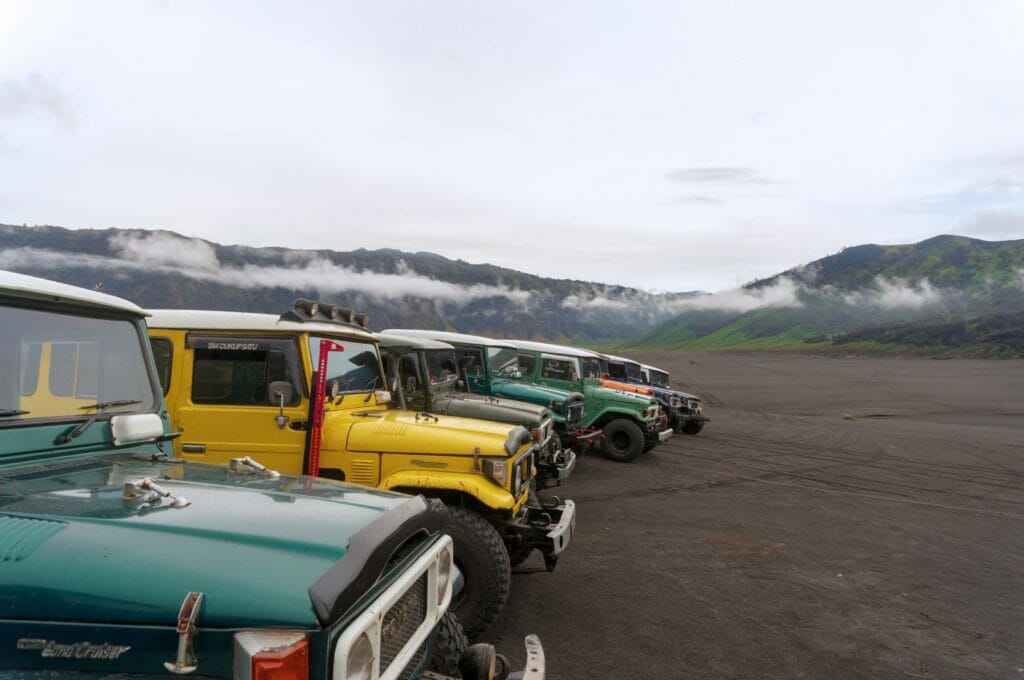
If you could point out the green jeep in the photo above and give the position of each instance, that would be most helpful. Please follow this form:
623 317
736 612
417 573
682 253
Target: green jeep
424 375
119 560
631 423
490 367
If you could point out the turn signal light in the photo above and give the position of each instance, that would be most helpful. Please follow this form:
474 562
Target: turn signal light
291 663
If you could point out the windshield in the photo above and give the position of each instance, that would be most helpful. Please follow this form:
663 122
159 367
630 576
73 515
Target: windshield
591 368
440 366
658 378
502 361
57 365
356 368
633 372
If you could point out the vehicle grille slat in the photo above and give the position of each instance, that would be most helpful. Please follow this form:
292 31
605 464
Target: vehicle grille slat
402 620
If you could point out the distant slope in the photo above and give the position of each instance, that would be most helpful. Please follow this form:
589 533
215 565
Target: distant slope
398 289
945 295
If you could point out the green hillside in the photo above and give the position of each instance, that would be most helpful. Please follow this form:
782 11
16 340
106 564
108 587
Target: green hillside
946 295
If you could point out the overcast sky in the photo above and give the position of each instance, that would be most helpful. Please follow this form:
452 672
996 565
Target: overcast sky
664 145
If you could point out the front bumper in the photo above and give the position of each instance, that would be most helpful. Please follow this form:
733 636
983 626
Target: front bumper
548 528
555 469
658 435
583 437
534 669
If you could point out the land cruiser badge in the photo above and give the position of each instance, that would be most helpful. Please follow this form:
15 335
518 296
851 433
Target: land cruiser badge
73 650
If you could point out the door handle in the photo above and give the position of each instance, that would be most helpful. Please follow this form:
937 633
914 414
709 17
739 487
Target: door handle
193 448
297 425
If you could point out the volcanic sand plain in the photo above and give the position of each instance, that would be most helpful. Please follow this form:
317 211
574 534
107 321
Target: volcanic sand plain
837 518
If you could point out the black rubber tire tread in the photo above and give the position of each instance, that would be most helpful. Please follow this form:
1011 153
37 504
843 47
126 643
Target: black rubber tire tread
693 427
482 557
629 429
450 642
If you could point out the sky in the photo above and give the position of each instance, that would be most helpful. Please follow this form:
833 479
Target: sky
662 145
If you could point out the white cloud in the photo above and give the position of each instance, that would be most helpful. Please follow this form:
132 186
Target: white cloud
893 293
197 259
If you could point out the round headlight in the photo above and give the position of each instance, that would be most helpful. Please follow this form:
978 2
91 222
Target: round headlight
444 574
360 659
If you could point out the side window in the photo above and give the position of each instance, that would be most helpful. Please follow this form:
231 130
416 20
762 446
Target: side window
527 362
31 356
163 352
470 360
555 368
407 374
238 377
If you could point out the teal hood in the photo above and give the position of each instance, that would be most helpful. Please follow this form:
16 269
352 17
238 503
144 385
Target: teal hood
535 394
265 552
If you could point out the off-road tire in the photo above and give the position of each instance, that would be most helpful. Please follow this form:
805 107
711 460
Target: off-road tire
482 557
692 427
449 643
623 440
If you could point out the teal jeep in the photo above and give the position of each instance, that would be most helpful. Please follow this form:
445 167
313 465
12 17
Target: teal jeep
117 559
631 423
424 375
490 367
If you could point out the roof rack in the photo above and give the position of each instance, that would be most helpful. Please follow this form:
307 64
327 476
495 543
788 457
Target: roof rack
304 311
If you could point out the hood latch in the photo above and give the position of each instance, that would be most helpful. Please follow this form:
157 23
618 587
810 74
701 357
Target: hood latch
186 661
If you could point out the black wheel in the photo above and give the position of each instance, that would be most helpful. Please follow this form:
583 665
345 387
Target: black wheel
449 643
624 440
519 555
481 556
693 427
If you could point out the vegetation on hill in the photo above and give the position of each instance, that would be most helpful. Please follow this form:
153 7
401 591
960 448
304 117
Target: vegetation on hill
947 295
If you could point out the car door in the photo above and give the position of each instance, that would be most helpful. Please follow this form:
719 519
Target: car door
246 397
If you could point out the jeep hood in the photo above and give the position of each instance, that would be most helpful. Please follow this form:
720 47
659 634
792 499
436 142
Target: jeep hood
72 549
534 393
408 432
489 408
627 399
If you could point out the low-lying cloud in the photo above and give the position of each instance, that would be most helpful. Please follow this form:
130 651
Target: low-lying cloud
197 259
895 293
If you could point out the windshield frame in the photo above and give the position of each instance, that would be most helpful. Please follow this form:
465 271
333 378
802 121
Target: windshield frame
652 372
313 347
149 401
491 352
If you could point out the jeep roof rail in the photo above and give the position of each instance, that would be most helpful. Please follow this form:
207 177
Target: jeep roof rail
394 340
304 310
552 348
448 336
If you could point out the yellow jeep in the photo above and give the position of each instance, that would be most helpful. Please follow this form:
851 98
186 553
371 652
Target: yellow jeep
241 388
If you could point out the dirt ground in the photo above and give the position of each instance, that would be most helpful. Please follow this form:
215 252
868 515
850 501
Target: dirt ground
785 541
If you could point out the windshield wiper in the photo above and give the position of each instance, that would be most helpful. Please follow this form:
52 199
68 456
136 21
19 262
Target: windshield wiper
99 406
11 412
373 386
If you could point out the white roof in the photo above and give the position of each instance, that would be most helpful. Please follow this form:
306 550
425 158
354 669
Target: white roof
23 285
447 336
654 368
205 320
564 350
395 340
623 360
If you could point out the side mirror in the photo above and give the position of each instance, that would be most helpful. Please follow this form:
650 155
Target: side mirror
281 392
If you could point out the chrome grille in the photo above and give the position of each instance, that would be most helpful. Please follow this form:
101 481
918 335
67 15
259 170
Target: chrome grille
575 414
401 621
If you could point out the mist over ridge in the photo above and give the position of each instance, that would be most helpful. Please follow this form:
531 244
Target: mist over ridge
945 280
